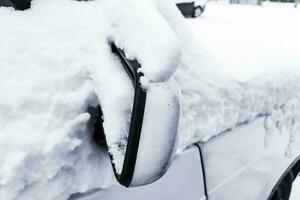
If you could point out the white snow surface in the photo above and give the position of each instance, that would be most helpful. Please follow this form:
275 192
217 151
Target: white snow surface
55 61
295 190
255 72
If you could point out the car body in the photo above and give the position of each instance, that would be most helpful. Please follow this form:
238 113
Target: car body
236 164
17 4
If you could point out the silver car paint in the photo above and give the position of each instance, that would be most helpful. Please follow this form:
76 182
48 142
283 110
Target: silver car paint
182 181
240 166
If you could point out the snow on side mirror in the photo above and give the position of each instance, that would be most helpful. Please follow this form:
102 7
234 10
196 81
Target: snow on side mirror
153 128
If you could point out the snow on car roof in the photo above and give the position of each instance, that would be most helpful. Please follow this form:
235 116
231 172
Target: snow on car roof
55 59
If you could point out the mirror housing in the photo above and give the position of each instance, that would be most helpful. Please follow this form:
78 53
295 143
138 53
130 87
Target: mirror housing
159 132
153 128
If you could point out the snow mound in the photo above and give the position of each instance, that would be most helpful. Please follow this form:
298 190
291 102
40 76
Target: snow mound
55 61
239 71
219 107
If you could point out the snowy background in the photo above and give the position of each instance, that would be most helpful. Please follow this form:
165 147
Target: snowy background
247 65
233 64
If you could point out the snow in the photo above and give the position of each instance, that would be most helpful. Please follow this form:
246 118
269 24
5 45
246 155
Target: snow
241 71
55 62
146 35
295 190
46 85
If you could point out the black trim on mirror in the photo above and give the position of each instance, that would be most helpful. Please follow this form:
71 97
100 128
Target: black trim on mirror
131 67
203 169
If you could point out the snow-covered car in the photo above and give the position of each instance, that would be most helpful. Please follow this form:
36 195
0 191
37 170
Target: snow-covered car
93 100
191 8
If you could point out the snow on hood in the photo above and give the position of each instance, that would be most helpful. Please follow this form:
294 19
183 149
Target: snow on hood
55 60
147 35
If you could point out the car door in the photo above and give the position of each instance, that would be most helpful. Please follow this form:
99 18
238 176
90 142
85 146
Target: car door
238 165
183 180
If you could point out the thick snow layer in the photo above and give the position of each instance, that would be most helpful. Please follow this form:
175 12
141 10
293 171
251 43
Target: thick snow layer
256 71
55 60
49 59
295 190
148 37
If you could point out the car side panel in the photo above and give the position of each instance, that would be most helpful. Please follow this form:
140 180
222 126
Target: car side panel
240 166
182 181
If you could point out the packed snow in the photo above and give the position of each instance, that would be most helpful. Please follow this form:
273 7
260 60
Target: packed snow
55 60
254 73
295 194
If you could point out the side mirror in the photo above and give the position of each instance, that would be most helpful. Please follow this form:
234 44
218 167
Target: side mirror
153 128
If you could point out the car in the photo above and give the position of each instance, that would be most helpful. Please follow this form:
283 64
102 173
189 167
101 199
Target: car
191 8
216 169
17 4
234 164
